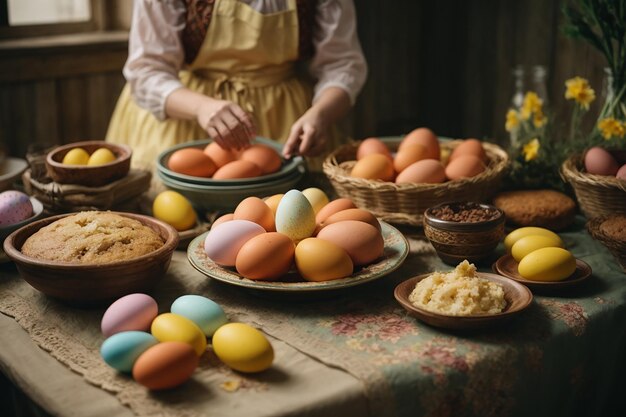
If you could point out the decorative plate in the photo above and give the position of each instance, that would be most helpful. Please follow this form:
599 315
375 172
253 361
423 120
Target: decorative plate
396 250
507 266
517 297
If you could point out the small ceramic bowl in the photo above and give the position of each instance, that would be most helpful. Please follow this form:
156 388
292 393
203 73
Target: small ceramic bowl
37 212
456 240
10 170
92 176
93 284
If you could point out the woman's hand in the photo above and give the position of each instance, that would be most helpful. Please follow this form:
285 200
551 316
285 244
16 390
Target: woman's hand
308 135
227 123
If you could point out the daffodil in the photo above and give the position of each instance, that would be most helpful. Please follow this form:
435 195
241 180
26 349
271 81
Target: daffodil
610 127
512 120
578 89
531 104
539 119
531 150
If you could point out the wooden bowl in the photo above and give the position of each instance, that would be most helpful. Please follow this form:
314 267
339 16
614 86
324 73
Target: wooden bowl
92 176
517 297
91 284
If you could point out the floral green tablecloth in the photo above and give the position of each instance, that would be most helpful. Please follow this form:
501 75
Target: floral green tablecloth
564 356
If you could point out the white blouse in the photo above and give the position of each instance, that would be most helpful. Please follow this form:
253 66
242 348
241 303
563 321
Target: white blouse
156 53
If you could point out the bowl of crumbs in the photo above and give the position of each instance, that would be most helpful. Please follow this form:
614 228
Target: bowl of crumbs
464 230
462 298
92 257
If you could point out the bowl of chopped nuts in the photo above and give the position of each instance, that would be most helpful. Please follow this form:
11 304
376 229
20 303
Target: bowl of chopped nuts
464 230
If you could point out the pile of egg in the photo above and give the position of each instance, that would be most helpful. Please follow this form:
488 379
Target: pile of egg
418 160
15 206
325 240
79 156
162 351
598 161
540 253
221 164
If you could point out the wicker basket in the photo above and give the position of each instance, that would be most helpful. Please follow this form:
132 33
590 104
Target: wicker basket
597 195
616 247
406 203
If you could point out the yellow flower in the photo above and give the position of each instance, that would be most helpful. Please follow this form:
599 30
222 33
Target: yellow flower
610 127
512 120
532 104
578 89
531 149
539 119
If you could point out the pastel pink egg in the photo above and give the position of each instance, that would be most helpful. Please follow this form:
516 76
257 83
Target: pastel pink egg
131 312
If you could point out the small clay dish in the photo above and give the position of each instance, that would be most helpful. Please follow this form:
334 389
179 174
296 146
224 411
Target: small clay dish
517 297
93 284
507 266
91 176
456 239
10 170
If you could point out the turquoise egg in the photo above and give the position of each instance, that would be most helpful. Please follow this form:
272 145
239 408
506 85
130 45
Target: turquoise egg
121 350
205 313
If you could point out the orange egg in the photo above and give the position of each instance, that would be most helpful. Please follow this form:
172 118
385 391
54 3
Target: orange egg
191 161
351 214
237 169
255 210
408 155
363 242
332 208
264 156
273 201
220 155
266 256
425 137
370 146
424 171
374 167
165 365
224 218
464 166
469 147
321 260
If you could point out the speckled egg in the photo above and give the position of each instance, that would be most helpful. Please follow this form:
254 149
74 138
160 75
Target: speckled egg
295 216
15 207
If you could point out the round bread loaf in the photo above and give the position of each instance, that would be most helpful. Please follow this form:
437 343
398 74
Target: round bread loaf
542 208
92 237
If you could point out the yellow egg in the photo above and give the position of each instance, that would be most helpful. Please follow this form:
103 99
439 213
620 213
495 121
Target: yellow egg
517 234
530 243
76 156
547 264
321 260
316 197
173 208
170 327
242 347
101 156
273 202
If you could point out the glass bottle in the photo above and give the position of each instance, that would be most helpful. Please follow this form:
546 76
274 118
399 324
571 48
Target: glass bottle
539 76
517 99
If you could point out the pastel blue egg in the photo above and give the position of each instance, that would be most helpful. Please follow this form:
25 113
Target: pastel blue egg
121 350
206 313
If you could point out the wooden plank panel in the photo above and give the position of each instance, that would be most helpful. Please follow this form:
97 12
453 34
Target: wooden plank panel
73 101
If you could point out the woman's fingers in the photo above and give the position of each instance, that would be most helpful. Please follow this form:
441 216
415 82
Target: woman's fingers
246 120
293 142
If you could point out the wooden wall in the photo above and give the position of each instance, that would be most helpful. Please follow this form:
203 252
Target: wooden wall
444 64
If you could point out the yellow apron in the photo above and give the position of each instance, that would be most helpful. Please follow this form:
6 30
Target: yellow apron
247 57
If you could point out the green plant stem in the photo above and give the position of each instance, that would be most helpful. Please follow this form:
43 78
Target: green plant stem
574 123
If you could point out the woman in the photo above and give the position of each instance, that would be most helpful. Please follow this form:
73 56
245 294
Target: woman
227 69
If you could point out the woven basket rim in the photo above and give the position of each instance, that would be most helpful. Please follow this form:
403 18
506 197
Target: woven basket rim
593 226
571 172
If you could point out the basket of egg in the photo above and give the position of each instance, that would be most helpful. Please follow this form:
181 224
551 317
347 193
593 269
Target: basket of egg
398 178
599 180
213 178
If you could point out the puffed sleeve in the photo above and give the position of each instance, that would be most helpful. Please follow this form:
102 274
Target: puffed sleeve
155 52
338 59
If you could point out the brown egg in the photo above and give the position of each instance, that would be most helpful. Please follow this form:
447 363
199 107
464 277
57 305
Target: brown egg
351 214
424 171
464 166
425 137
370 146
191 161
600 162
363 242
374 167
273 201
332 208
264 156
237 169
165 365
255 210
469 147
409 155
267 256
222 219
220 155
